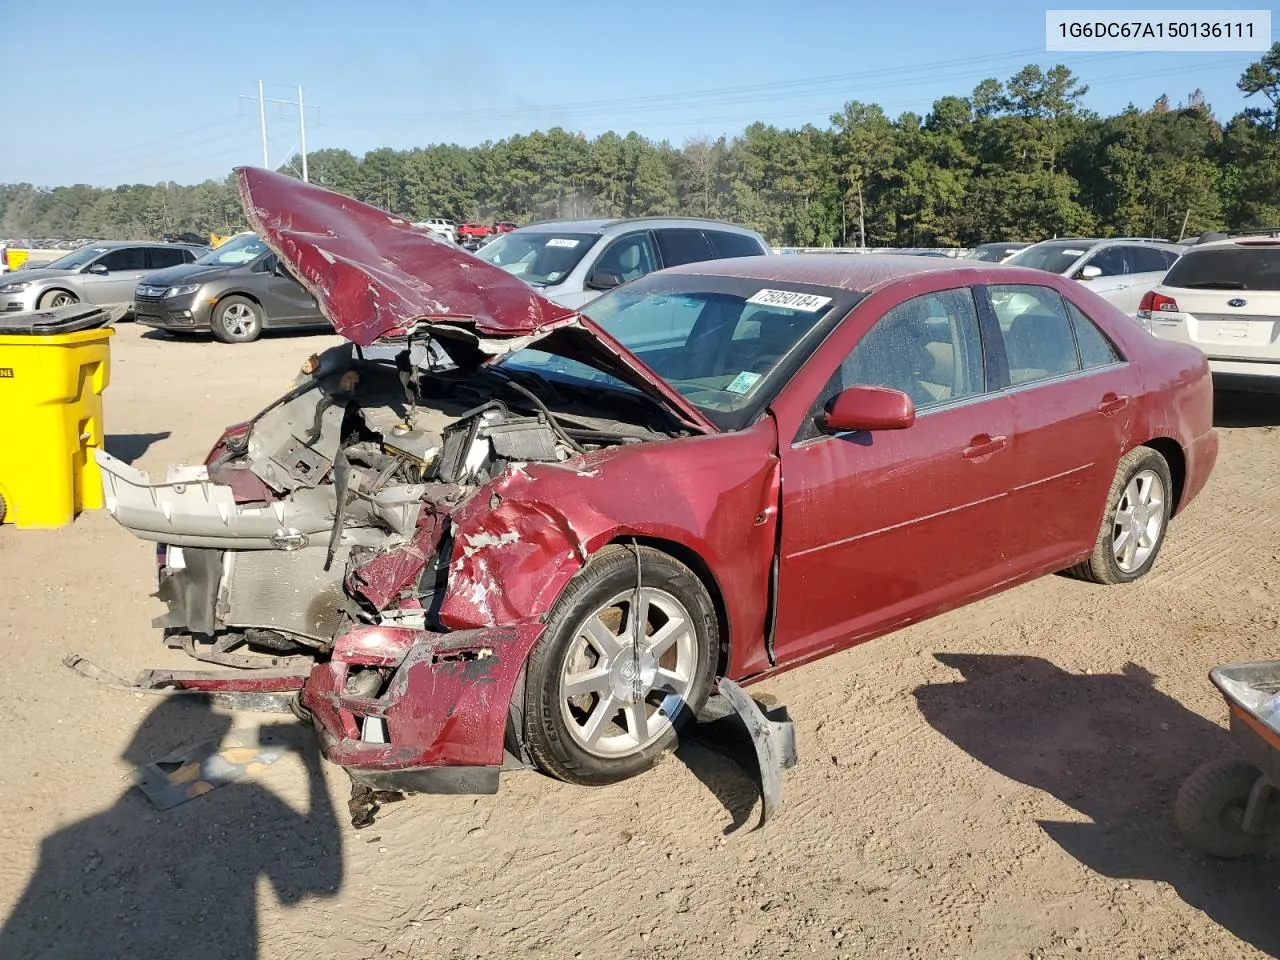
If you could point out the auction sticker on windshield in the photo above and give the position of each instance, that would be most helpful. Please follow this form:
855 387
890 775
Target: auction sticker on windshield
808 302
743 382
561 242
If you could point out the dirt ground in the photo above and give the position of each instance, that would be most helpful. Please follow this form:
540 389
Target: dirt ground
995 783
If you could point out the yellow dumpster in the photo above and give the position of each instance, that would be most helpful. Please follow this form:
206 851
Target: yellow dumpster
54 365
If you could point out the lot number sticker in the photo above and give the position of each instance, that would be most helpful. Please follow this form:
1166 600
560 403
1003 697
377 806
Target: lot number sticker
743 382
561 242
807 302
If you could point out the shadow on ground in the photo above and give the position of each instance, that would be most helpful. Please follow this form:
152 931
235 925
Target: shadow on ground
1116 749
1232 409
136 882
132 446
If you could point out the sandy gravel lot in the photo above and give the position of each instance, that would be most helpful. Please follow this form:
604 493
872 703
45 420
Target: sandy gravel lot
995 783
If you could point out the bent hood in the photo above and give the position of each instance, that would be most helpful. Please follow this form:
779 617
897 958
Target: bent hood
374 276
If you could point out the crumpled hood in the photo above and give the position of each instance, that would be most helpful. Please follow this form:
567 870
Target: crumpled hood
374 276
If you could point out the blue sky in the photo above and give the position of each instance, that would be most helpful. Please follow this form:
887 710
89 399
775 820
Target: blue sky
158 95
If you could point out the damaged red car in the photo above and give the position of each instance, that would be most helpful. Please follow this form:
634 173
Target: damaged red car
494 531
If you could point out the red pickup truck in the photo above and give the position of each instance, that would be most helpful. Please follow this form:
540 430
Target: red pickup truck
472 231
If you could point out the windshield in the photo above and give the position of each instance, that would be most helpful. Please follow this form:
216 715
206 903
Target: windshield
76 259
990 252
1056 256
539 258
239 249
718 341
1227 268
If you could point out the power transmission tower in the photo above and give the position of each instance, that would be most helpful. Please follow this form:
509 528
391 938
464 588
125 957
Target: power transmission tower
302 123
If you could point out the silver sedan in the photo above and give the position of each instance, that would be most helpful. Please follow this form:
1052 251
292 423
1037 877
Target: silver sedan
101 273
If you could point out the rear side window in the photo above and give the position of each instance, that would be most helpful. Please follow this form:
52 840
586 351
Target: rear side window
159 258
1036 331
683 246
1096 348
1146 260
727 245
1227 268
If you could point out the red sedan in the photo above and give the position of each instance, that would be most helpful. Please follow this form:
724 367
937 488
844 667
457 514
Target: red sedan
726 469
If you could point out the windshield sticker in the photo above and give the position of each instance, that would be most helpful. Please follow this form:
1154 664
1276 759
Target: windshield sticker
744 381
1073 253
561 242
554 276
807 302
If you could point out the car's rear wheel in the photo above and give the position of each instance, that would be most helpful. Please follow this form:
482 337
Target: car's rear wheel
237 320
1139 505
603 704
57 298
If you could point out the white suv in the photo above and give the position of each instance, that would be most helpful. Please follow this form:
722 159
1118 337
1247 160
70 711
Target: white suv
1224 297
1119 270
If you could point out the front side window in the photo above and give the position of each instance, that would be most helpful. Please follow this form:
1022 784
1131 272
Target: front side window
125 258
928 347
1110 260
1036 331
628 258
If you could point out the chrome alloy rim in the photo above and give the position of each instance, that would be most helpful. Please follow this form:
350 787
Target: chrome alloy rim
1139 521
238 320
619 692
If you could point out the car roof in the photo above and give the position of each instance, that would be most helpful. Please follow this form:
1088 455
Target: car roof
845 271
1234 243
603 225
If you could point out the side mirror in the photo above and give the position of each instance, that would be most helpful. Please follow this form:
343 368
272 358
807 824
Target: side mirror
868 408
98 268
1089 273
603 280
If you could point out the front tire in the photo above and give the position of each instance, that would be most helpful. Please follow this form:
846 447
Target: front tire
1211 804
237 320
57 298
1139 506
599 707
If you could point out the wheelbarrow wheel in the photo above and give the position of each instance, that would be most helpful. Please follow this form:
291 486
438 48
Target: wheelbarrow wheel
1211 805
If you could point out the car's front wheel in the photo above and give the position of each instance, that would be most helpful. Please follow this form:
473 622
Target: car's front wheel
57 298
1139 505
626 659
237 320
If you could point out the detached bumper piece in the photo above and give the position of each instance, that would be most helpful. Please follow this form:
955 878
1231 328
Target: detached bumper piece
263 691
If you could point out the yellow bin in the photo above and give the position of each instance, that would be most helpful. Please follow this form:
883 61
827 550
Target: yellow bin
54 365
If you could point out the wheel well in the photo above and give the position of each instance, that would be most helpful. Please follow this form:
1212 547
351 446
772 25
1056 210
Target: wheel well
51 290
238 293
695 563
1171 450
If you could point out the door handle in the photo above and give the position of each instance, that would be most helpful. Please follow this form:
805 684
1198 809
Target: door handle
983 445
1112 403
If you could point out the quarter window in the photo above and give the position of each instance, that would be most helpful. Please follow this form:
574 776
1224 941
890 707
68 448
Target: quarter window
1096 348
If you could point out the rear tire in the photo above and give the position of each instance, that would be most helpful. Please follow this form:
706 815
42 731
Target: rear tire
57 298
629 705
1139 505
237 320
1211 804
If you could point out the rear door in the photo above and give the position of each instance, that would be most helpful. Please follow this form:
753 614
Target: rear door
1073 397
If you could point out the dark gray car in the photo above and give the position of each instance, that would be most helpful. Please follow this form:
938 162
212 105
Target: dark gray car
235 292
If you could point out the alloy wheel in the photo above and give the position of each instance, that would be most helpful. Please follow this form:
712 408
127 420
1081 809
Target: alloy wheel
1139 521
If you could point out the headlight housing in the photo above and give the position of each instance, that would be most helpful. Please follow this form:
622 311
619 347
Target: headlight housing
181 290
15 287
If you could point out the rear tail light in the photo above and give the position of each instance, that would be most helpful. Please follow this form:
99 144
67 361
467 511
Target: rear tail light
1153 302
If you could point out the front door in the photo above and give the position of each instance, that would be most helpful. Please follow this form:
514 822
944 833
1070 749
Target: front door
285 301
882 528
125 266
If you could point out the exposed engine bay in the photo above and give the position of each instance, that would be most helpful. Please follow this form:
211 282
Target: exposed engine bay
333 504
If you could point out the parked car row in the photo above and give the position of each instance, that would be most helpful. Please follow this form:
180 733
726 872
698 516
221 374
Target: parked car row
100 273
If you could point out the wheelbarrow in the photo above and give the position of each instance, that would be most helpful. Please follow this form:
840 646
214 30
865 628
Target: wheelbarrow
1228 806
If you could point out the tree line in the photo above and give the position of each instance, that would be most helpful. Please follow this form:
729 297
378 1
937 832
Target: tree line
1015 160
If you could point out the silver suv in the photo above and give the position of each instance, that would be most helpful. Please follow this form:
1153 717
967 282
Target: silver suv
1119 270
573 261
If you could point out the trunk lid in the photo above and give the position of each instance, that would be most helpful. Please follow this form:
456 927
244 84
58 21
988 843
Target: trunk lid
375 277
